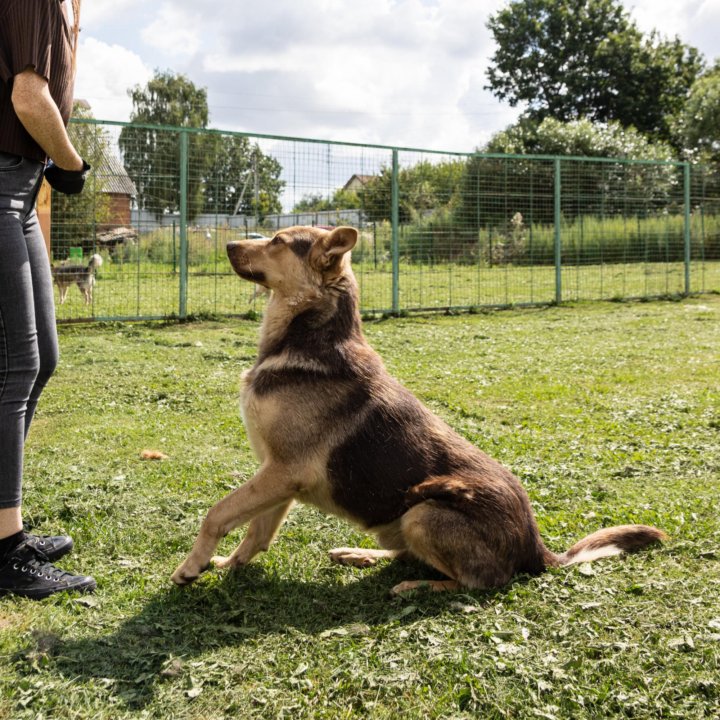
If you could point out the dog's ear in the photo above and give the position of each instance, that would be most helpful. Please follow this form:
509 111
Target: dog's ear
338 242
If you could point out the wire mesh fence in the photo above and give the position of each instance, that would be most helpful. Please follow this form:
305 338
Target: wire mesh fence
437 230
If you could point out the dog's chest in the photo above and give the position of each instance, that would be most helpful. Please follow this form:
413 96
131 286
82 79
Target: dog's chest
251 411
281 423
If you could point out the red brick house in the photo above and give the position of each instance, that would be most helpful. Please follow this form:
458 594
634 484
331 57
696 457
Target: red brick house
119 188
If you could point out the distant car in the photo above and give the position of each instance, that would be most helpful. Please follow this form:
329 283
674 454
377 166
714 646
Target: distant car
256 236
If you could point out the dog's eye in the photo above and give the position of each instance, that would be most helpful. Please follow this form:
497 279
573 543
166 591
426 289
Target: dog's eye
277 240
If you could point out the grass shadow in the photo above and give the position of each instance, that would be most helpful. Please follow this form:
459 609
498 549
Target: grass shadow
238 608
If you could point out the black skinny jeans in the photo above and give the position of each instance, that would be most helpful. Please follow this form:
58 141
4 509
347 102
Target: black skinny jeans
28 338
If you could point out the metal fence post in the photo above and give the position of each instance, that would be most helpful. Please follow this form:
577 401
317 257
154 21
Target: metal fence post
182 311
558 238
395 222
686 229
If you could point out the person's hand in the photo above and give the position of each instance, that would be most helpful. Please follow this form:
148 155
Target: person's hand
69 182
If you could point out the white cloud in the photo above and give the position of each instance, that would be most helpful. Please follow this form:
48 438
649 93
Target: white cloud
380 71
695 22
105 73
97 12
174 31
391 72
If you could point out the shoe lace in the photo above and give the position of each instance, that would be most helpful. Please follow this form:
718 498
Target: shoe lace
40 567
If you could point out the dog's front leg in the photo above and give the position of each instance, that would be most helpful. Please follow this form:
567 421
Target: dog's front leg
260 533
269 488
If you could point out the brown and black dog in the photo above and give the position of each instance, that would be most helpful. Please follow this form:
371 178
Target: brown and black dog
331 427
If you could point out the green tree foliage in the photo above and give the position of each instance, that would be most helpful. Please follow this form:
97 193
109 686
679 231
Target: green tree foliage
424 188
494 189
76 217
152 155
698 126
569 59
316 202
312 202
698 133
225 172
240 179
581 138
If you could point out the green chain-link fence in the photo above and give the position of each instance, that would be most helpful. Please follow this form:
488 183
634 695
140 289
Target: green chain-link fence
437 230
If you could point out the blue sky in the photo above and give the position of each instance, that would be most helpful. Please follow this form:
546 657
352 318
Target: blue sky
391 72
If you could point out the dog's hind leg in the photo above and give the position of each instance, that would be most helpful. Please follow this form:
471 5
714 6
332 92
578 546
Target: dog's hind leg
453 543
388 536
361 557
260 534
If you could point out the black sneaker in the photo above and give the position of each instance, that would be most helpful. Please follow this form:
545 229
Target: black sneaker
27 572
52 546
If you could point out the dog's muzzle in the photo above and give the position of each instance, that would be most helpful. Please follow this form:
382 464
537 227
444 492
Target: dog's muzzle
242 263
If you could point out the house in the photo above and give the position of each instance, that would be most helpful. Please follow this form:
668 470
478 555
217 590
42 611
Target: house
357 182
119 189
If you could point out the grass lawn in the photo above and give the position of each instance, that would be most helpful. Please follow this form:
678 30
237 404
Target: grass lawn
608 412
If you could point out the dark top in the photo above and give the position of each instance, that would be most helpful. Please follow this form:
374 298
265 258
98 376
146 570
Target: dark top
33 33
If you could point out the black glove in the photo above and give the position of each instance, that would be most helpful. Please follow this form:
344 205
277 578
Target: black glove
70 182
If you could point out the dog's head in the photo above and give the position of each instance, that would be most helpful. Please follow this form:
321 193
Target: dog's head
297 263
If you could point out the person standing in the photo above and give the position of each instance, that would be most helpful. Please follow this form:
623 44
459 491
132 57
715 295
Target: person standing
37 69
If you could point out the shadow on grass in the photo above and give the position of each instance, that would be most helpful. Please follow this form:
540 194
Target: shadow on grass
237 608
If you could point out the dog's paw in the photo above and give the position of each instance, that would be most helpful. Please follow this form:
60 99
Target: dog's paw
355 557
433 585
184 575
407 587
221 562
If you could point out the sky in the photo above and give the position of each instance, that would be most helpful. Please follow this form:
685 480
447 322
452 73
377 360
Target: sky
406 73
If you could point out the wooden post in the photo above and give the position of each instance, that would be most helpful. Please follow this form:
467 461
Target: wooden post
43 213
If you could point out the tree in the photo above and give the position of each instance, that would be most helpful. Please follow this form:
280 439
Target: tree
569 59
698 132
317 202
423 188
152 155
75 217
698 126
240 179
580 138
494 189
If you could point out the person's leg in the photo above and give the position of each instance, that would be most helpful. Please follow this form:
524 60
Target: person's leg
19 355
44 304
28 356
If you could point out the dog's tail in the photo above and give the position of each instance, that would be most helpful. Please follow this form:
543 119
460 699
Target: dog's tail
608 542
95 262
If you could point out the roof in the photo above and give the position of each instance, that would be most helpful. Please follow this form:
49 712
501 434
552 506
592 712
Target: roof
358 180
115 179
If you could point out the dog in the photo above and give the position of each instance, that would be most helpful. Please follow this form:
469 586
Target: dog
82 275
331 427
